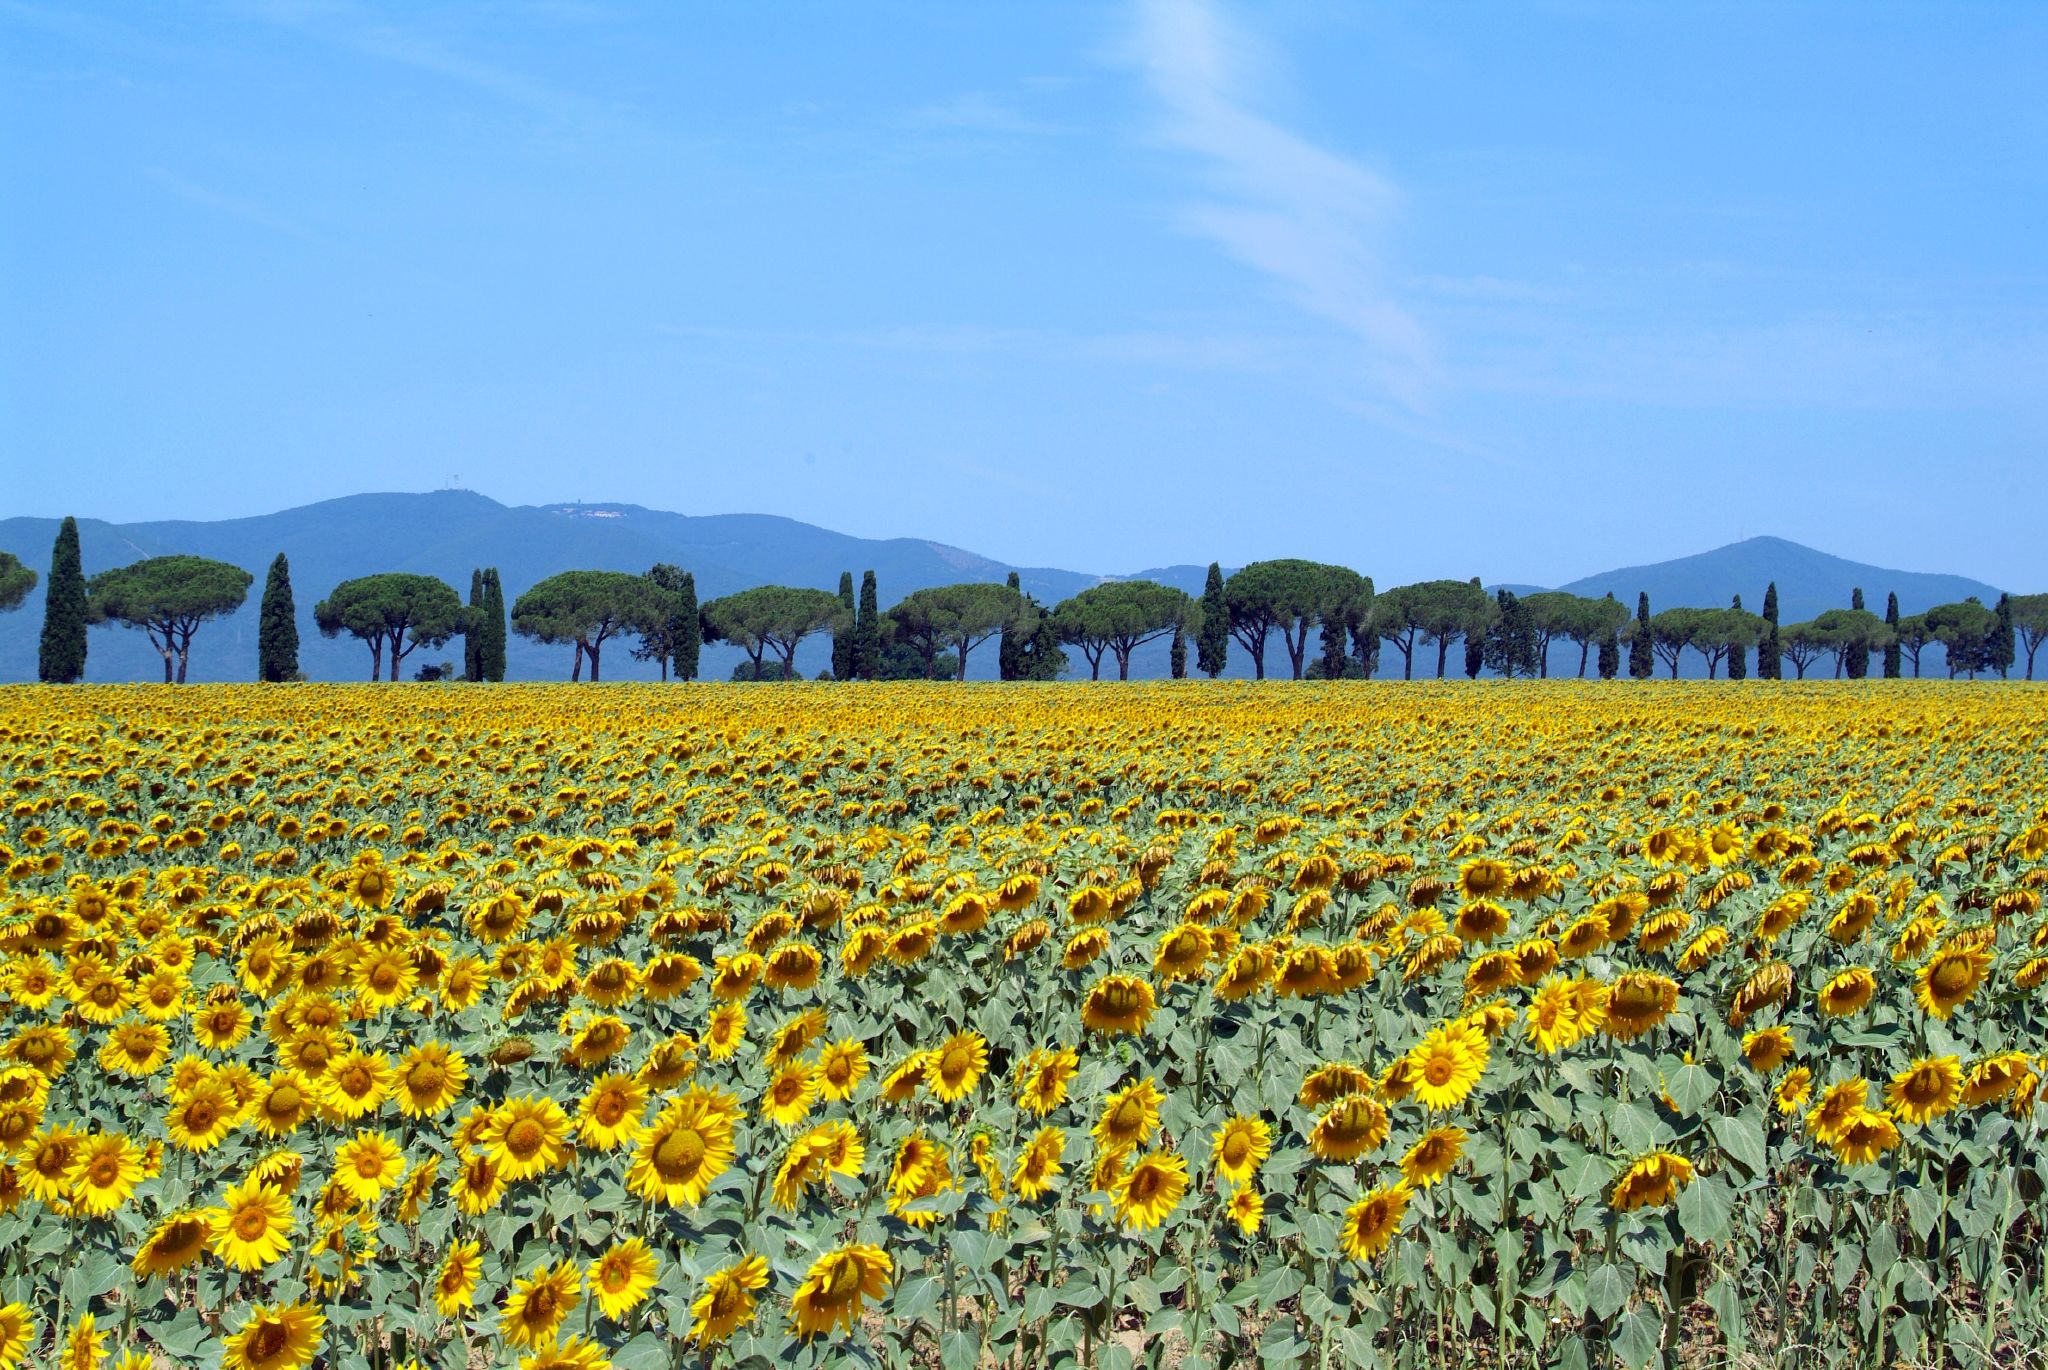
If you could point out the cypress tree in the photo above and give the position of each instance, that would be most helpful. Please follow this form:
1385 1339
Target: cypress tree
1892 655
2001 649
1475 644
61 660
1336 639
842 640
1641 660
1857 658
867 632
1010 651
689 630
1365 645
1738 654
1212 644
473 628
1769 663
277 626
1610 655
491 637
1177 659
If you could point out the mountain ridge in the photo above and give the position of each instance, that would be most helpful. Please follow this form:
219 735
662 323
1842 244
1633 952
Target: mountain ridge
449 532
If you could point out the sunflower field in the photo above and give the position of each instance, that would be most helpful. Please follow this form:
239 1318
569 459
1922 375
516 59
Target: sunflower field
1177 1024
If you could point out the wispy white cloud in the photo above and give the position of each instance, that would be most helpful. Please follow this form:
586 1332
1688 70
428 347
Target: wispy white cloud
1311 219
979 112
236 207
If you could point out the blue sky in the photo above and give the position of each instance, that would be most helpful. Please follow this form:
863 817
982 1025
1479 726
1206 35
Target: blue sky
1523 290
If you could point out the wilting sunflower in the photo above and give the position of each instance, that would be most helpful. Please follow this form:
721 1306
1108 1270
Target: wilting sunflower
1042 1078
538 1304
279 1337
1247 1208
104 1172
1239 1147
1638 1002
1433 1156
528 1135
1767 1048
1651 1182
1370 1224
833 1291
620 1279
686 1148
1446 1065
1039 1165
252 1227
1330 1082
1950 977
1183 953
1349 1128
455 1280
173 1244
1118 1003
790 1093
1995 1077
841 1068
1925 1090
1129 1117
1150 1189
956 1067
368 1164
727 1302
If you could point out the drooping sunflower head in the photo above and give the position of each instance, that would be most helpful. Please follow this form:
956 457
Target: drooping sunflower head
1432 1156
1150 1189
835 1289
1118 1004
1370 1224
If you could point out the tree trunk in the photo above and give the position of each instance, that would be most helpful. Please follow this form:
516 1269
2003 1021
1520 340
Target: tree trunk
1123 663
1584 647
1443 652
184 653
593 650
376 657
577 673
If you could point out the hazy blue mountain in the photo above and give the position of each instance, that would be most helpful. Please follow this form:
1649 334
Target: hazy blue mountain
448 532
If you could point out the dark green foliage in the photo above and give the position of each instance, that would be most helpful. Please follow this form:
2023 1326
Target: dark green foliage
1336 643
960 617
867 633
473 628
2000 650
842 636
1438 612
1558 614
1010 651
1510 644
1365 646
65 613
661 637
2030 624
1289 595
491 646
1891 649
1738 652
1043 657
1856 652
1177 656
16 580
1769 654
1118 616
762 671
1964 631
1212 643
1642 660
771 618
277 626
396 609
689 630
1610 654
167 598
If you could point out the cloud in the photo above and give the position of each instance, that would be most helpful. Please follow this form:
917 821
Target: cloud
976 112
1310 219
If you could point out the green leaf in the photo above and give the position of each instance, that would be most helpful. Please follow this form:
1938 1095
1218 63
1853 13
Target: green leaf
644 1352
1636 1339
1704 1209
1607 1289
917 1297
1690 1087
1743 1140
959 1350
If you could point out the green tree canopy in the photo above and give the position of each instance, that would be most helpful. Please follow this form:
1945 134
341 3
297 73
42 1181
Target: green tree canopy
1850 635
1430 612
60 656
662 639
1964 630
16 580
397 609
588 608
491 647
1511 643
1119 616
277 627
959 617
2029 625
1292 596
772 618
1212 642
168 598
1913 635
1559 615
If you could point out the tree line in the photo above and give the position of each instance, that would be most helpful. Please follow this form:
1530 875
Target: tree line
1326 622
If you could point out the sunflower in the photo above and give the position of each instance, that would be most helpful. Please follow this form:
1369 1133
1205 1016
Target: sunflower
431 1077
1995 1077
1651 1182
103 1174
479 1185
727 1302
1303 972
356 1083
920 1171
368 1164
538 1304
1446 1066
1150 1189
1482 877
1370 1224
279 1337
1863 1136
50 1156
1792 1091
1039 1165
282 1103
794 1037
1950 976
137 1050
1247 1209
1042 1078
17 1330
725 1031
1638 1002
833 1291
576 1353
1349 1128
455 1279
1249 969
1183 953
687 1147
621 1278
252 1227
1767 1048
1925 1090
1129 1117
528 1135
609 1115
956 1067
791 1092
385 978
841 1068
221 1027
1239 1147
1838 1102
203 1118
1847 992
1432 1156
905 1078
1118 1003
172 1244
86 1347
